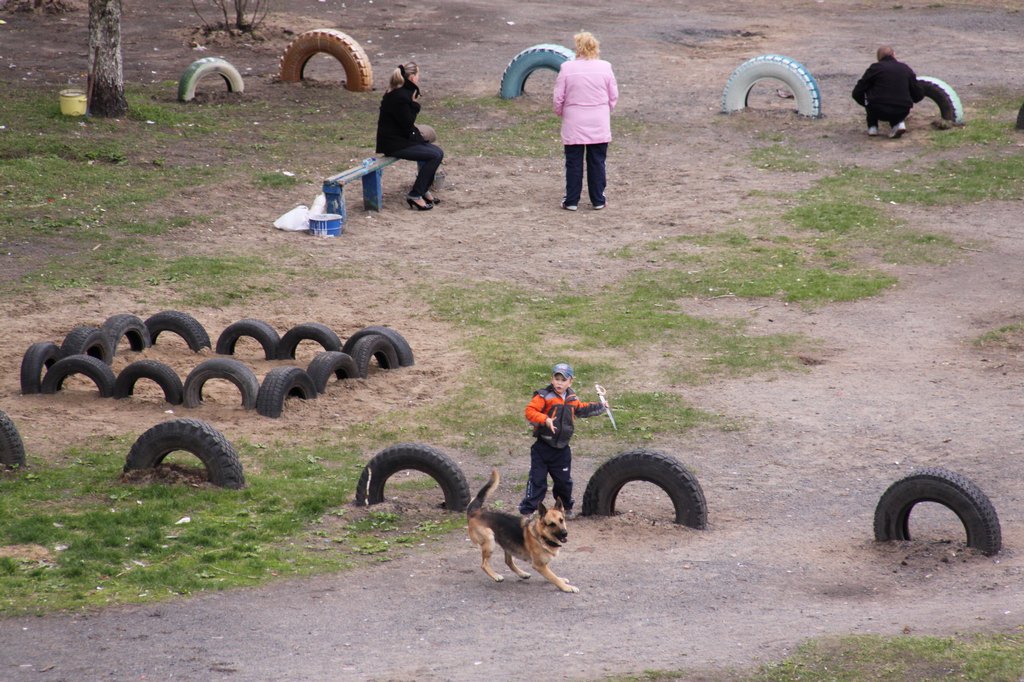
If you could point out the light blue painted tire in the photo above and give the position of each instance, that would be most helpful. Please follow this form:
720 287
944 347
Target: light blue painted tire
543 56
789 71
945 97
204 67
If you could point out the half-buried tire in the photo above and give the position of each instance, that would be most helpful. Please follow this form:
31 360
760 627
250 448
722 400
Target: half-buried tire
945 97
956 492
128 326
402 347
39 356
309 331
161 374
772 66
12 449
660 469
233 370
419 457
182 324
280 384
95 369
328 363
206 66
86 340
358 71
264 334
543 56
199 438
374 347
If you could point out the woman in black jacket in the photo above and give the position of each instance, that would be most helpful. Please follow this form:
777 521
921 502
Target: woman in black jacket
397 134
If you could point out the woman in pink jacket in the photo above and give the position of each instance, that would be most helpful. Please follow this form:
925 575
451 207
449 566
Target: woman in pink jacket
585 94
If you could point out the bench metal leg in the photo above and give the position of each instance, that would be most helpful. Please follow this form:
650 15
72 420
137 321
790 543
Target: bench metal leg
373 191
335 195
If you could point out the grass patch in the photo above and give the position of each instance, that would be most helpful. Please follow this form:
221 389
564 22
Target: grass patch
74 536
867 658
1008 336
991 658
781 157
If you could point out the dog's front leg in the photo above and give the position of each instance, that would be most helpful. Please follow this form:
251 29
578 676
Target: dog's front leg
486 550
511 563
560 583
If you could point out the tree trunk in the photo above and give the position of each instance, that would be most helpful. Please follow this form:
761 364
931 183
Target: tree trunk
106 97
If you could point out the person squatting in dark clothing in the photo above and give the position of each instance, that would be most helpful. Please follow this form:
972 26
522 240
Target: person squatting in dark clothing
553 411
888 91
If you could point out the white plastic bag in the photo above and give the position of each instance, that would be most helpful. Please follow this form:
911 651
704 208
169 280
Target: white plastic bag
319 204
295 220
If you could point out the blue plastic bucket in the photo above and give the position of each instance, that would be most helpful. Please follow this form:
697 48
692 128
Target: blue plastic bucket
325 225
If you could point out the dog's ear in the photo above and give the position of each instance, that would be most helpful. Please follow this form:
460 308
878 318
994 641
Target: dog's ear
541 510
558 504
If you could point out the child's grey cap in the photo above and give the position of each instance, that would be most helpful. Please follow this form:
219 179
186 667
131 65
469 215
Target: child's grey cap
563 368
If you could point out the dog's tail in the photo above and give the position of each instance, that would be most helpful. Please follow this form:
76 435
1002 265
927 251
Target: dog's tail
478 501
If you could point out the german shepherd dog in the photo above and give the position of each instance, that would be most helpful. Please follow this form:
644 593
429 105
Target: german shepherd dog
535 539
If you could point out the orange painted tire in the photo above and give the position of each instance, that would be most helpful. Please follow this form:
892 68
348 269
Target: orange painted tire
358 71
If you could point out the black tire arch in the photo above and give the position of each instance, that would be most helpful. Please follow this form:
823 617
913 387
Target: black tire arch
87 340
308 331
223 468
12 449
374 347
265 335
180 323
233 370
328 363
950 489
39 356
282 383
163 375
402 348
127 326
94 368
419 457
662 470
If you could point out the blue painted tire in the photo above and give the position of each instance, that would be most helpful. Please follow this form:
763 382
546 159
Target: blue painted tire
945 97
789 71
201 68
543 56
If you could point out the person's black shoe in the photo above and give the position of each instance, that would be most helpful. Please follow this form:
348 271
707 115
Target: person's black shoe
414 202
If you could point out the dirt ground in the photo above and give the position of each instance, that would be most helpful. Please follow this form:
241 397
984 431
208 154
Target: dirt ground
789 552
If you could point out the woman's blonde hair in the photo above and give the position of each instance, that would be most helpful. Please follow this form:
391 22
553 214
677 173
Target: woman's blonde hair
400 73
587 46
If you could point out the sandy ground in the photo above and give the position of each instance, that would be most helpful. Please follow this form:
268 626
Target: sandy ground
789 552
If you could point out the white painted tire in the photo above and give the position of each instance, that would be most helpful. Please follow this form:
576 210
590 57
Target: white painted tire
773 66
940 92
543 56
201 68
358 71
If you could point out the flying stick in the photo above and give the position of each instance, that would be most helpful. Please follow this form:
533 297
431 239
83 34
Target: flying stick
600 392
